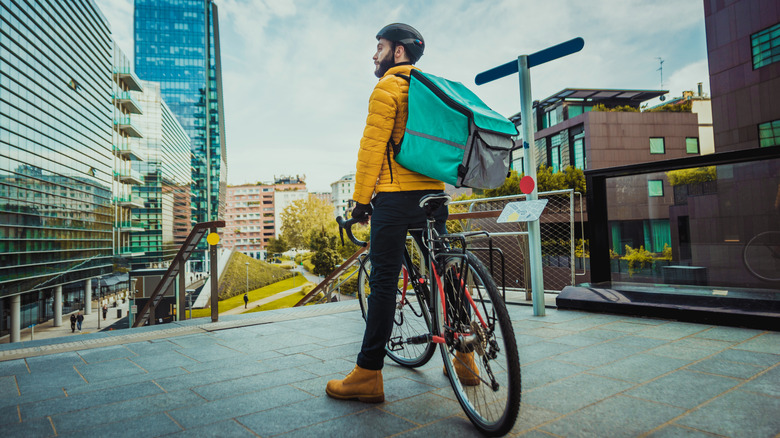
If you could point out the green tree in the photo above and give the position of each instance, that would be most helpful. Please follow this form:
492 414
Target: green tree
302 216
325 261
277 246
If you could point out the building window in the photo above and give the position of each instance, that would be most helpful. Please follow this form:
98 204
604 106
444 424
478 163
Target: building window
769 134
554 153
578 149
657 145
692 145
655 188
766 46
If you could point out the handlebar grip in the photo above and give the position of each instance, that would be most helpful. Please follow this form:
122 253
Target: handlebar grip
346 225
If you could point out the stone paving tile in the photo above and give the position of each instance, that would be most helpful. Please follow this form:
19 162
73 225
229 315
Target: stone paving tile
39 427
35 382
82 387
8 387
350 350
674 431
227 428
243 385
767 383
238 360
199 340
531 417
625 326
720 416
291 361
542 350
731 334
768 342
105 354
51 362
117 368
32 395
761 359
685 389
86 400
547 371
150 425
449 427
640 341
316 386
557 397
13 367
201 378
639 367
680 352
298 415
161 360
122 410
9 414
401 388
727 368
210 352
636 416
547 332
599 354
328 367
365 424
577 340
234 407
674 330
424 408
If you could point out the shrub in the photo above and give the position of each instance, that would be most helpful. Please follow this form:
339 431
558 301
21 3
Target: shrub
637 259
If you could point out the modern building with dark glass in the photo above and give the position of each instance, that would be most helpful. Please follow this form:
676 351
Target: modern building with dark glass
56 171
177 45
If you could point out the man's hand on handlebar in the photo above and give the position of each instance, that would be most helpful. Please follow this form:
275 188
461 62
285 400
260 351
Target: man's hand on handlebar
362 212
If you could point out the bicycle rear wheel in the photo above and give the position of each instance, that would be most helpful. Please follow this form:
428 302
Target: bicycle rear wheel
480 352
762 256
410 343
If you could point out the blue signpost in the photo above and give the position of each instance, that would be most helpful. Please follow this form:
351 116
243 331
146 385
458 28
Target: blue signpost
523 66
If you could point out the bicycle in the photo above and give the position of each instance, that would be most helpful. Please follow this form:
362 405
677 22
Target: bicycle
761 256
447 297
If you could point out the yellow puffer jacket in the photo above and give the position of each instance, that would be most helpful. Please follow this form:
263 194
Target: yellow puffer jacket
387 113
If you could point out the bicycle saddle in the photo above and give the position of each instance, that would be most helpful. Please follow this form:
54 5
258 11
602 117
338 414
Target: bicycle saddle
434 201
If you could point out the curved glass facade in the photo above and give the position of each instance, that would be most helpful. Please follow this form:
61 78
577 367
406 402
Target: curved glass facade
170 48
56 216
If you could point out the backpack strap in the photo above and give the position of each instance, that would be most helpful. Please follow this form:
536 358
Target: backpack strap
391 144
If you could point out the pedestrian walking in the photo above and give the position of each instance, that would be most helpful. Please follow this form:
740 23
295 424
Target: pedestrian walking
105 311
246 300
73 323
79 320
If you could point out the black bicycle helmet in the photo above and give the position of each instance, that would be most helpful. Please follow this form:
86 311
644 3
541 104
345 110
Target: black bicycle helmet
412 40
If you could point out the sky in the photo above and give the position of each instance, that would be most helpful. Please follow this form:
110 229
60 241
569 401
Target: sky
297 74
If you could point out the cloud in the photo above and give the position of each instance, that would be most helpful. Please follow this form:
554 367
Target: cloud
297 73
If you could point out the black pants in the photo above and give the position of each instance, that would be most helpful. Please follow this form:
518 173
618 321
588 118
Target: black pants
394 213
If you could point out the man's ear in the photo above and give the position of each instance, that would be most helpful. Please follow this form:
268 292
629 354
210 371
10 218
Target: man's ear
400 53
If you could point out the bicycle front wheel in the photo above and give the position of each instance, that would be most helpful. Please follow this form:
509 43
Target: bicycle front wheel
479 352
762 256
410 344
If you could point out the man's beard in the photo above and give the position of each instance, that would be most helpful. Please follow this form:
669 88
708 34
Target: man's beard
384 65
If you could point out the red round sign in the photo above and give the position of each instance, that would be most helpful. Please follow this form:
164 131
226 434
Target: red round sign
527 184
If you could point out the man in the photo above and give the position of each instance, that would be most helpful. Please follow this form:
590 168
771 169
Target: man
79 320
246 300
393 210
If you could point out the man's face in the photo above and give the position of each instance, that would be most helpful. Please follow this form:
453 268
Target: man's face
383 58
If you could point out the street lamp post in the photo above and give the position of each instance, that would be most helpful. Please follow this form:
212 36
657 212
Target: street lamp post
247 276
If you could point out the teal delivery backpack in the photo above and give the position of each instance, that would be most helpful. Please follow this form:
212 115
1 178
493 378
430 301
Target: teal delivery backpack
452 136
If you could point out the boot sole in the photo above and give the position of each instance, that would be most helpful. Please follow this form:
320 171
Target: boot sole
362 398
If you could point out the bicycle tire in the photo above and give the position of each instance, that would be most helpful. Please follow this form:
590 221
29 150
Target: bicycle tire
492 399
761 256
411 320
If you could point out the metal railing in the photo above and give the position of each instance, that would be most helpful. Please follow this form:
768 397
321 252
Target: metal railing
563 213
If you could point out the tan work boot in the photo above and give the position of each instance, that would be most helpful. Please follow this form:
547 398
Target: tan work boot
465 368
362 384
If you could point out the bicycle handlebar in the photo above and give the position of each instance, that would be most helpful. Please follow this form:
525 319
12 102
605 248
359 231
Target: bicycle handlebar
346 225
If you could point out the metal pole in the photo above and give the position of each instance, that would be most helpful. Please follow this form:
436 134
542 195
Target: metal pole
247 276
214 279
529 169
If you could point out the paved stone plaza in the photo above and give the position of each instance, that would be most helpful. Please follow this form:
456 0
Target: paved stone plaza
264 374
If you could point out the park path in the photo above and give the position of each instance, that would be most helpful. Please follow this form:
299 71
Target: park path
309 277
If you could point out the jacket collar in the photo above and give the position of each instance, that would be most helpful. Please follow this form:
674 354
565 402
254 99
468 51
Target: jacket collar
402 68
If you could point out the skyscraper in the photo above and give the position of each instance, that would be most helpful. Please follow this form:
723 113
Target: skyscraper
177 45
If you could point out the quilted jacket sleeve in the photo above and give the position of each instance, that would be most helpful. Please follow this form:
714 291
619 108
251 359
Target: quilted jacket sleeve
382 107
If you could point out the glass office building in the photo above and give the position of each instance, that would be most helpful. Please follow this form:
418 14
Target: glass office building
165 210
172 48
56 215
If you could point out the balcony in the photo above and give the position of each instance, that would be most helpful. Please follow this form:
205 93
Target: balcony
125 126
126 77
130 251
129 202
125 102
129 177
126 152
130 226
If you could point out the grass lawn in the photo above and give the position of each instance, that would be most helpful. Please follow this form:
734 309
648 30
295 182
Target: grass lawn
254 295
282 303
